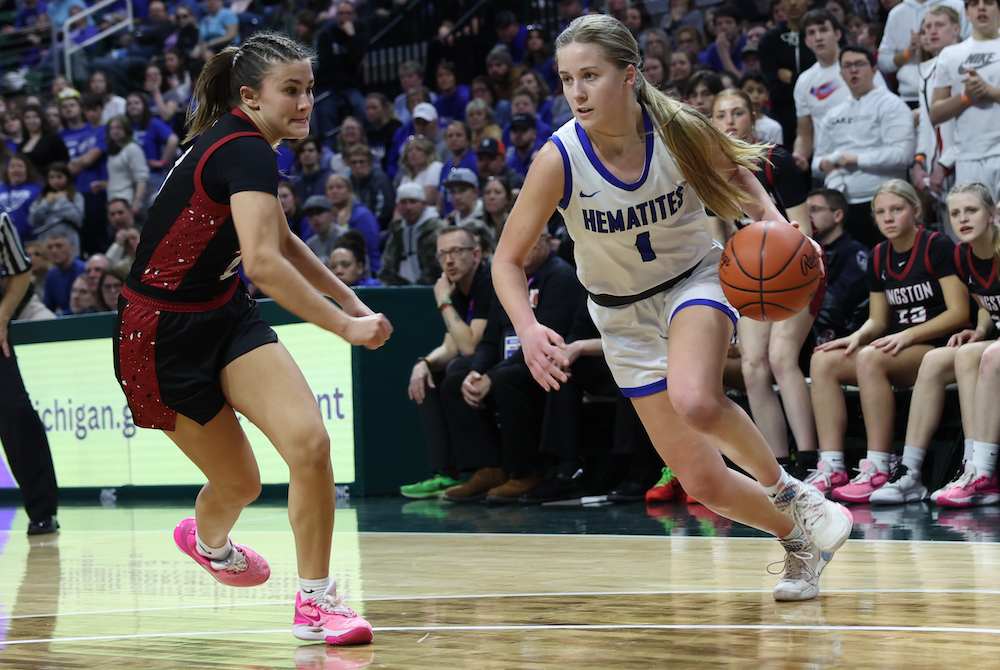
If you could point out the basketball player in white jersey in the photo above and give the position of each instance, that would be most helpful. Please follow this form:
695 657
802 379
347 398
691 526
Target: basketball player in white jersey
632 174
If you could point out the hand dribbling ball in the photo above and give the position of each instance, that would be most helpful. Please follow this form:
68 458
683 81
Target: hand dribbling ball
769 271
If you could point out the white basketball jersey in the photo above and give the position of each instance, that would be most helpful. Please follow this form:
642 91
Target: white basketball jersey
629 238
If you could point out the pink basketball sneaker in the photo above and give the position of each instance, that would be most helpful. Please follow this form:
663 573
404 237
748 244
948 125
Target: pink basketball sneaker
971 490
329 619
244 567
859 490
825 478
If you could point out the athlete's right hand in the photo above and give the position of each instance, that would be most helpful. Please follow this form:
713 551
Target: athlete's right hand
545 355
849 344
370 332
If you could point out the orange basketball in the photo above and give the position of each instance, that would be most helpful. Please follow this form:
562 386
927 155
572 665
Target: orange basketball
769 271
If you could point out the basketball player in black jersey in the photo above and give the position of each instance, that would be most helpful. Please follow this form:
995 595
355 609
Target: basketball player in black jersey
192 348
917 302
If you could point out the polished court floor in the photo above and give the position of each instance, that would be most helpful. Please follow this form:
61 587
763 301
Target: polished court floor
450 586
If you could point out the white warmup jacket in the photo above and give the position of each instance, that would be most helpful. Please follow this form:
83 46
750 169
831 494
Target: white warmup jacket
878 128
932 141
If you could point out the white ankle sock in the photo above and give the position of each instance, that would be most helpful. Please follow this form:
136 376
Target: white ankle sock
984 457
794 541
834 458
217 554
784 480
968 450
313 588
880 460
913 457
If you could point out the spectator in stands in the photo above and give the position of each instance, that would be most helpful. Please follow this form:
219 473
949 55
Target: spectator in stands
163 102
657 44
93 268
382 126
702 87
291 206
483 89
128 171
66 267
81 300
910 313
87 149
899 50
538 56
459 138
512 35
59 209
157 140
535 84
372 186
783 56
525 102
149 38
38 253
348 260
502 71
463 185
526 143
410 250
283 18
452 97
102 87
496 377
682 64
411 75
464 294
352 134
846 266
939 30
765 128
13 129
725 54
21 186
52 115
569 10
422 165
655 70
323 221
27 15
638 20
42 145
689 39
497 203
311 179
866 140
967 89
177 75
185 37
110 283
750 57
351 214
425 123
682 13
340 49
491 157
219 27
479 116
122 250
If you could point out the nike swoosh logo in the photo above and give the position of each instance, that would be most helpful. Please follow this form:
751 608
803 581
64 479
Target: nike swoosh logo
584 195
900 264
826 90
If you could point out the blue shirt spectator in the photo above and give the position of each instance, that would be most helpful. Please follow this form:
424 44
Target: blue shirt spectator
58 10
59 282
512 35
16 199
364 221
28 13
216 22
467 161
451 107
78 143
153 138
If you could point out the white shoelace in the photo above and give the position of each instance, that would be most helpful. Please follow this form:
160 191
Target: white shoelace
332 604
966 479
235 562
864 475
794 566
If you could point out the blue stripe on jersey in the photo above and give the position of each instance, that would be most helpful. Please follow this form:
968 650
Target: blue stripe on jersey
567 173
725 309
603 171
648 389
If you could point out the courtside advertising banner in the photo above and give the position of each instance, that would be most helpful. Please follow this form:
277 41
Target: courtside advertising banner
94 442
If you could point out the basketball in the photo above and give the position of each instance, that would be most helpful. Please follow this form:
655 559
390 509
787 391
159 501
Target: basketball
769 271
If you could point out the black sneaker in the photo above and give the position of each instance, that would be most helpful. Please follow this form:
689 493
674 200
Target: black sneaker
628 491
43 527
562 486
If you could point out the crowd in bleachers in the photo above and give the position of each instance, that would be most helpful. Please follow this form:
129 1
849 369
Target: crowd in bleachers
875 110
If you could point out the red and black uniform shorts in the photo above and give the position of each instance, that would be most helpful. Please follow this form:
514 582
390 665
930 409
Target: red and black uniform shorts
169 355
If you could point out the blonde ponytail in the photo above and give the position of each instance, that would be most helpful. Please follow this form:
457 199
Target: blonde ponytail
688 135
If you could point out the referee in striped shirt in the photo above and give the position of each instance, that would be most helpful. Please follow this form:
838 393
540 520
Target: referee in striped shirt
21 431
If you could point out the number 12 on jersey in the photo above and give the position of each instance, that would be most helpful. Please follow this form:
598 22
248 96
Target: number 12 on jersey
645 250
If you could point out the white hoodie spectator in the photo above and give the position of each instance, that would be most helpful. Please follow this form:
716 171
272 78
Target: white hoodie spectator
866 140
899 50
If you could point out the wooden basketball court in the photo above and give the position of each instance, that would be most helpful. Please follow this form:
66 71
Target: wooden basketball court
588 588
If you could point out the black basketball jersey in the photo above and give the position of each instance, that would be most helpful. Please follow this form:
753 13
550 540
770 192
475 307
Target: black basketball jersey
911 280
980 275
782 180
189 251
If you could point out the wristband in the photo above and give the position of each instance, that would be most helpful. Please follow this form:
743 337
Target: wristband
423 359
444 305
906 53
965 99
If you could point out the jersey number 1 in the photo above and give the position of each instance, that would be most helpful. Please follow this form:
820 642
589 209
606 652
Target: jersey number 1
645 250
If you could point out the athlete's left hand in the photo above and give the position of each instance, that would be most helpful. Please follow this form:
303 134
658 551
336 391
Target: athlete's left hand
545 355
893 344
966 336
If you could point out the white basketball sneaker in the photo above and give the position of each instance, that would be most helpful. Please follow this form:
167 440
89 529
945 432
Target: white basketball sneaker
803 565
825 523
904 486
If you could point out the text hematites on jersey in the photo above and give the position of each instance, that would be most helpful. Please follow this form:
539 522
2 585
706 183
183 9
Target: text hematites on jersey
636 216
